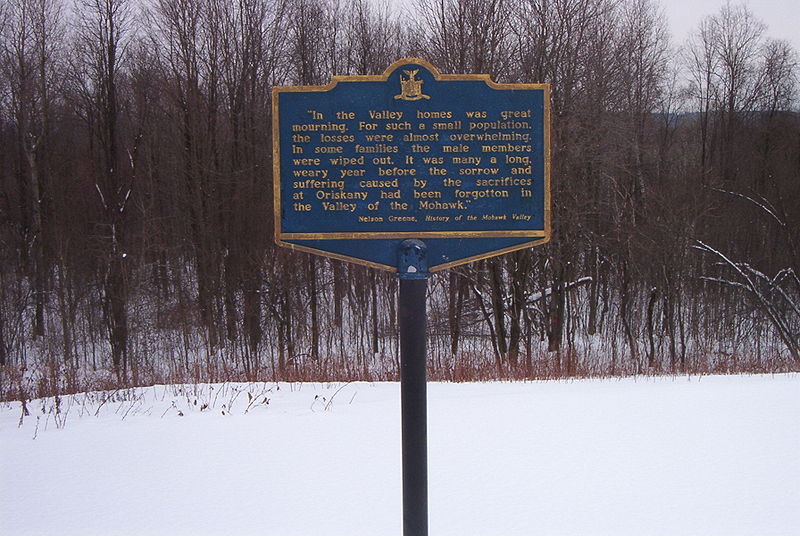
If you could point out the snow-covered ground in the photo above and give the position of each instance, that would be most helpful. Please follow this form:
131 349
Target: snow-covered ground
671 456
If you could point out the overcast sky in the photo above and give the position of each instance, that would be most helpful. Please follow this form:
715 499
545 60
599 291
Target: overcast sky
781 16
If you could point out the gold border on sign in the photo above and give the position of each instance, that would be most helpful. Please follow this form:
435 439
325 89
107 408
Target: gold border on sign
414 234
544 234
436 268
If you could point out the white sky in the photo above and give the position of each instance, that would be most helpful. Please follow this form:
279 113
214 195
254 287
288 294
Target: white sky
781 16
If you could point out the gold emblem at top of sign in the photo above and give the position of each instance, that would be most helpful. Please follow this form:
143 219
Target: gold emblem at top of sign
411 88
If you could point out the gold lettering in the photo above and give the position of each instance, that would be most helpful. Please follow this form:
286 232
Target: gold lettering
427 194
517 114
507 148
328 149
434 115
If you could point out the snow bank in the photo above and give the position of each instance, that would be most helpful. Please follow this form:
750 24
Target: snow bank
676 456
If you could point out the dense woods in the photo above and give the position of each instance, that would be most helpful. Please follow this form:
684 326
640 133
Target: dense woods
136 200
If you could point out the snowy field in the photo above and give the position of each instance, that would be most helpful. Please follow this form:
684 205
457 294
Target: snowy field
674 456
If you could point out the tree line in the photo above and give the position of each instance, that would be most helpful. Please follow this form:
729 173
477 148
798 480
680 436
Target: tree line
136 202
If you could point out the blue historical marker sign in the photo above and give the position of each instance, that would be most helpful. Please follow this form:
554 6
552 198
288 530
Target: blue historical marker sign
457 161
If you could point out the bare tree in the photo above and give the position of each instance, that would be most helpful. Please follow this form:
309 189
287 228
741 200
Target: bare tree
102 36
373 39
465 36
725 57
29 43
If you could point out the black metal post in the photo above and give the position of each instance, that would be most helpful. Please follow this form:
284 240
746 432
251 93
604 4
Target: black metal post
412 316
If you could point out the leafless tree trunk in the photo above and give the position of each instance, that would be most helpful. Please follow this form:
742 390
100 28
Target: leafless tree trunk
102 39
29 41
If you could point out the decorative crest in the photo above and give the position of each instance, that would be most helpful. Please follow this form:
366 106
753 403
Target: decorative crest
411 88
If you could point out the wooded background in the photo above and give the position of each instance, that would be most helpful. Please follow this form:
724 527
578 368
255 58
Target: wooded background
136 202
